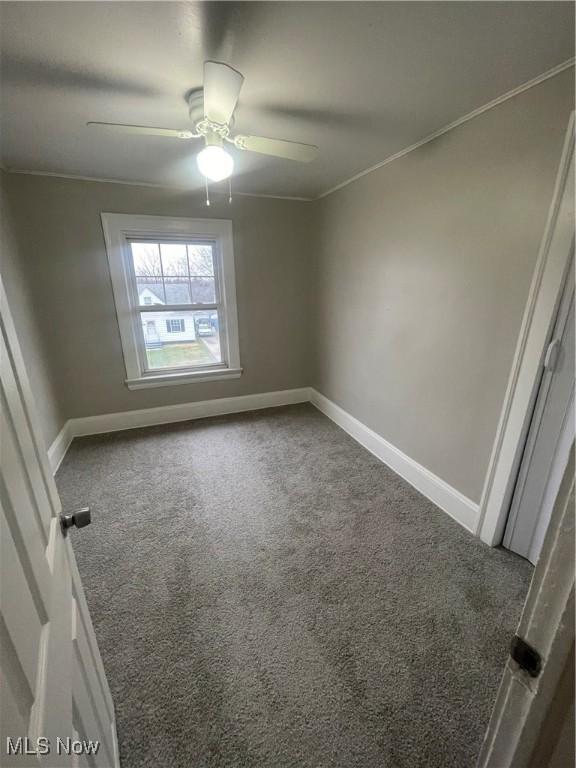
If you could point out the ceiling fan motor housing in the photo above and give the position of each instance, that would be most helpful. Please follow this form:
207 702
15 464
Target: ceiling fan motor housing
201 124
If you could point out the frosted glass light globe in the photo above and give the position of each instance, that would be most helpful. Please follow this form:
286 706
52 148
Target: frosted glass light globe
215 163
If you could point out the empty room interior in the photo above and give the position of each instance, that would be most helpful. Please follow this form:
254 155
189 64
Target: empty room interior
287 384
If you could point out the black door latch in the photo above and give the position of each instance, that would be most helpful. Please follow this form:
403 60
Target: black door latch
525 656
80 518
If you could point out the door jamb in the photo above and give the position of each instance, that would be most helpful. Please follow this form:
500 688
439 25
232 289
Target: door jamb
545 293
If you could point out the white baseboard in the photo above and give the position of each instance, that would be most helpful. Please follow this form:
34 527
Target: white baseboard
166 414
59 447
462 509
451 501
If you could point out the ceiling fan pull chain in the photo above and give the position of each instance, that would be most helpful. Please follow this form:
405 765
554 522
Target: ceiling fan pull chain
207 192
230 189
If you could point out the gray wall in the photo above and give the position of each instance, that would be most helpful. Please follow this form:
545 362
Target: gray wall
64 261
423 272
30 329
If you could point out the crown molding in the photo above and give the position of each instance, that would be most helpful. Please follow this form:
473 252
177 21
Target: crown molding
276 197
99 180
464 119
75 177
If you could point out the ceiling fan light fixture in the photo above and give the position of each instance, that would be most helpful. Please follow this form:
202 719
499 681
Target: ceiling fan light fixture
215 163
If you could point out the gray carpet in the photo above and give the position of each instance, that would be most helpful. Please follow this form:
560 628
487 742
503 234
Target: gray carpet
267 593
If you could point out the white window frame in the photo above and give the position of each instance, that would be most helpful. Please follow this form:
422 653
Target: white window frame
119 230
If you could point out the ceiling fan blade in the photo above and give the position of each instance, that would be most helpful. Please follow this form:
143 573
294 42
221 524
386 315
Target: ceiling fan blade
222 86
145 130
291 150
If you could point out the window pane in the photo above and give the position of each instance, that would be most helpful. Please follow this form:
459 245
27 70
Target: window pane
146 258
203 291
174 273
174 261
177 290
181 339
201 261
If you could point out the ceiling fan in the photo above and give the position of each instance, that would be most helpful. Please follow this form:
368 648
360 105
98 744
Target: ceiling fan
211 110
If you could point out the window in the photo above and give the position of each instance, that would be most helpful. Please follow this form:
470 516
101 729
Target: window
175 326
174 288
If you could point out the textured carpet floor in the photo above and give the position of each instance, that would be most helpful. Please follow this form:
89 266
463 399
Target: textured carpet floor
267 593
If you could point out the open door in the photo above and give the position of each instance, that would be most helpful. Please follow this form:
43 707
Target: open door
550 437
532 723
54 696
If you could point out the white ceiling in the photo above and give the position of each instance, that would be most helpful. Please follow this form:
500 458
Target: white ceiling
363 80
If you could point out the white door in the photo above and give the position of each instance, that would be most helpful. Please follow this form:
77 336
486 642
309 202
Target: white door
53 690
550 438
531 713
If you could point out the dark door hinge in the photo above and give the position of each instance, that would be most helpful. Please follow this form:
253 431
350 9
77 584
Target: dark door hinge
525 656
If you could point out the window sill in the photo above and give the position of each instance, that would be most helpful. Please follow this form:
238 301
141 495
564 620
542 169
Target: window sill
187 377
